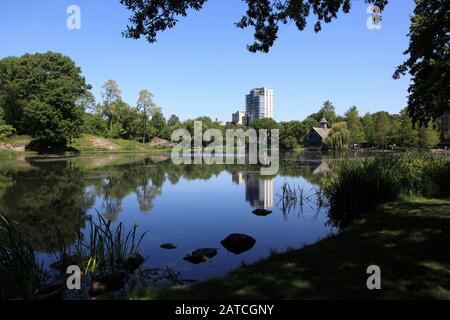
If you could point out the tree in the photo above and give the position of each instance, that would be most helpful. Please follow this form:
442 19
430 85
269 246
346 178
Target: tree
369 128
150 17
147 108
339 137
428 49
111 96
428 62
173 120
428 136
382 129
38 93
407 135
354 125
6 130
159 124
328 111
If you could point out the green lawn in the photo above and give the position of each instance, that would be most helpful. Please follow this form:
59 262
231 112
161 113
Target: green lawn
90 144
408 239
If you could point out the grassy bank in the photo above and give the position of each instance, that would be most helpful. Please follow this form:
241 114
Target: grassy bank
407 239
86 144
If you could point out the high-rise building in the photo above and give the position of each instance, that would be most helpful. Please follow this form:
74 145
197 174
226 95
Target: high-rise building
239 117
259 104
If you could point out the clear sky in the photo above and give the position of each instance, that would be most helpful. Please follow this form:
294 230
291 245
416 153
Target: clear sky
201 67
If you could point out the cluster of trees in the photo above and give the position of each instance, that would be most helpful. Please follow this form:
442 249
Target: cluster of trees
428 53
380 130
38 95
45 96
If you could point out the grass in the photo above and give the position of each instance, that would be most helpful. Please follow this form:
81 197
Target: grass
105 250
21 274
407 239
84 145
360 185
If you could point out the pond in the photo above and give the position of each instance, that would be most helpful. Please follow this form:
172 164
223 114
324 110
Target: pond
190 206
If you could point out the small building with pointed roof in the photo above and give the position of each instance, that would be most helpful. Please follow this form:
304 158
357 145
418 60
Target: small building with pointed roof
314 138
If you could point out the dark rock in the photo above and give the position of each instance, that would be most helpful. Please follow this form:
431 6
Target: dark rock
168 246
107 283
238 243
262 212
201 255
133 262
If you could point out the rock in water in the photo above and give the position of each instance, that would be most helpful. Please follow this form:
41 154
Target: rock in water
133 262
107 283
168 246
262 212
201 255
238 243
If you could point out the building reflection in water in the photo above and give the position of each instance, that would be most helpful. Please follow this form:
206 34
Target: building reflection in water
258 191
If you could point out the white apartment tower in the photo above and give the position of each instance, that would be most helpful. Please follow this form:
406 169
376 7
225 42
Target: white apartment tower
259 104
239 118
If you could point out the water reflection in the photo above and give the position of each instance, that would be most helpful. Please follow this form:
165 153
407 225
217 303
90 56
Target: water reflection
258 190
193 206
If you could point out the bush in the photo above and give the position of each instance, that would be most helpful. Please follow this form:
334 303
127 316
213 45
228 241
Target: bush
6 131
359 185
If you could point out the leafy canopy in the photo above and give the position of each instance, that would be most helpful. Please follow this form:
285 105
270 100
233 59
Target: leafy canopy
39 94
428 63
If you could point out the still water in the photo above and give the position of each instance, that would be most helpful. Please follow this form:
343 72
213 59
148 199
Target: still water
190 206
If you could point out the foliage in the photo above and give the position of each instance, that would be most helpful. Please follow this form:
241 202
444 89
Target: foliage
338 138
427 136
21 275
359 185
147 108
428 61
38 93
354 125
327 111
6 131
151 17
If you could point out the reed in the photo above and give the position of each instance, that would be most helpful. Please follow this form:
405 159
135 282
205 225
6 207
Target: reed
21 274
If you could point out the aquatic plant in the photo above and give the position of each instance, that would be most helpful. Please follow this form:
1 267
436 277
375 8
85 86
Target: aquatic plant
357 186
21 274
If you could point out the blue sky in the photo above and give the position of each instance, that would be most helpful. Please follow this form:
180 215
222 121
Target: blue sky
201 67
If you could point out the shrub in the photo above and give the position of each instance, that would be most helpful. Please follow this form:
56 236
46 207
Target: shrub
6 131
357 186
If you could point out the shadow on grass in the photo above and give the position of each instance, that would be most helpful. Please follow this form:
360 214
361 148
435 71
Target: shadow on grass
409 240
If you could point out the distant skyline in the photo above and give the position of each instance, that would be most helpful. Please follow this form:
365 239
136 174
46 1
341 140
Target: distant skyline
201 67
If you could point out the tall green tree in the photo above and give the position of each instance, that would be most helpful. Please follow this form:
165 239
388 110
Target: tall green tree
158 122
368 125
173 120
428 136
111 98
407 133
428 61
38 93
147 108
354 125
382 129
